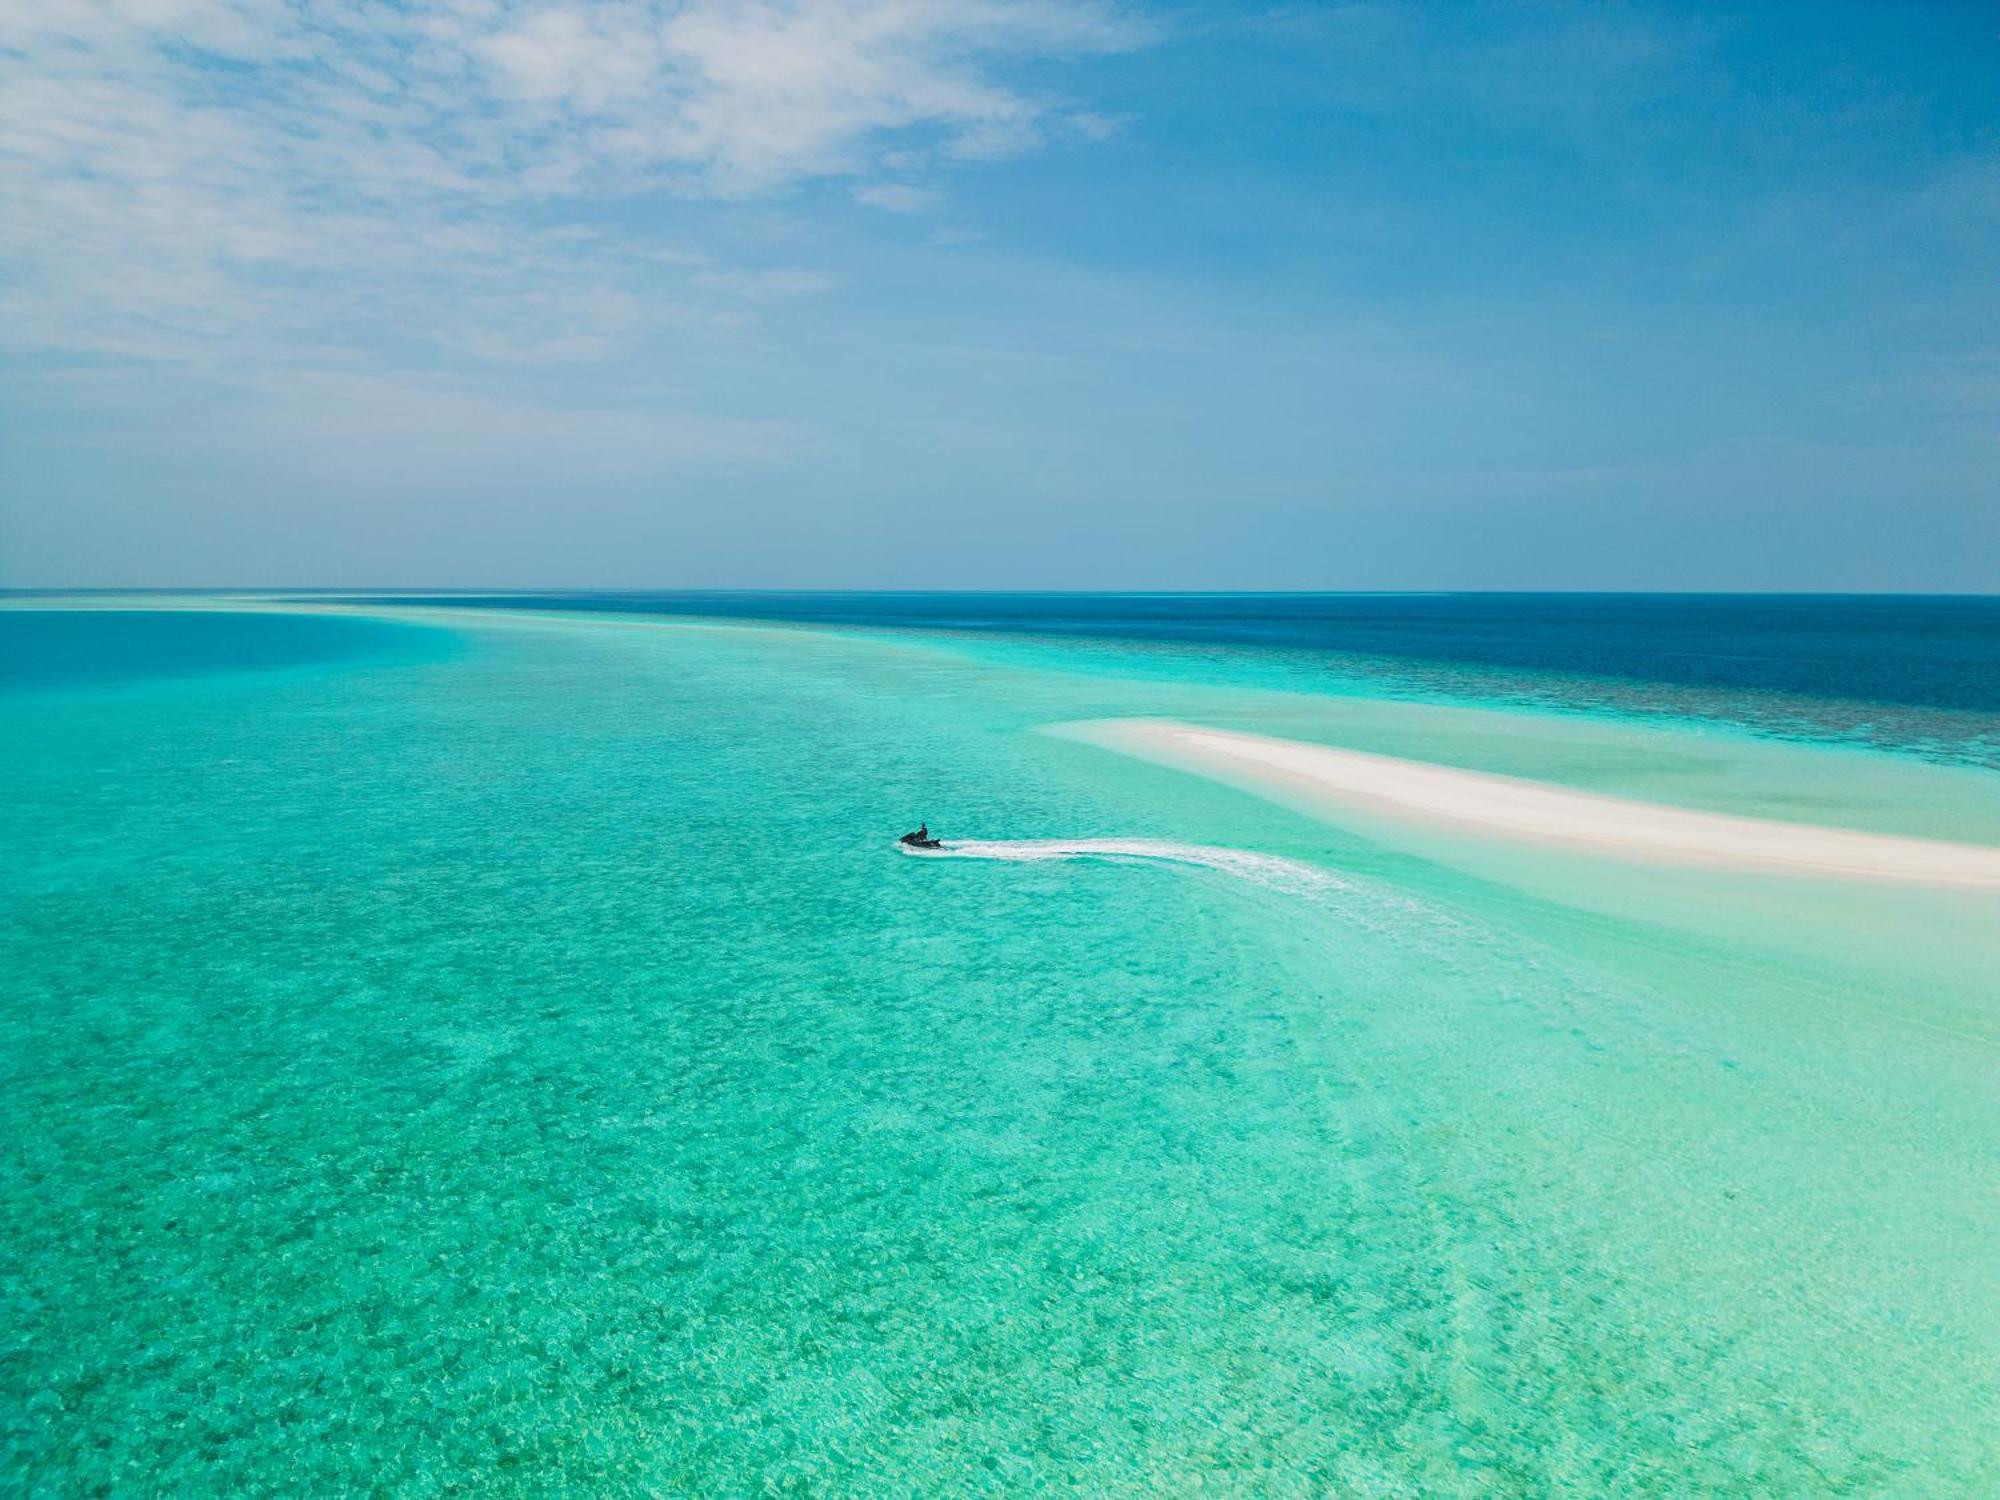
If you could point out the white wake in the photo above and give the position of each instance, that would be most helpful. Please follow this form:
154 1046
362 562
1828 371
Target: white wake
1261 869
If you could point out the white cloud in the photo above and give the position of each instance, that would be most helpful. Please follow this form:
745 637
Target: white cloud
896 197
249 178
767 285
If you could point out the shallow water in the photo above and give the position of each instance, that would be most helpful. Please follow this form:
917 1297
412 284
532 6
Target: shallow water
532 1064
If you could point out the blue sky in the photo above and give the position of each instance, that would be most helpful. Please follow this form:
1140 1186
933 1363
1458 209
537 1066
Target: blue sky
985 294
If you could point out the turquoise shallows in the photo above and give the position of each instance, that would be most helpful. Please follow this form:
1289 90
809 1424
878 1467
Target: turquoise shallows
515 1060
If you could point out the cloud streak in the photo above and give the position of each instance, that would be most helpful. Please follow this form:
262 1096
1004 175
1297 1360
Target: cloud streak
275 180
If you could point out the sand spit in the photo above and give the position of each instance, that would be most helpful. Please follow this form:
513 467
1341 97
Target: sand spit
1320 777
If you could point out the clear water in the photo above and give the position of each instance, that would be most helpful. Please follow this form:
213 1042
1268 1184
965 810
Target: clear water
1917 673
59 650
516 1058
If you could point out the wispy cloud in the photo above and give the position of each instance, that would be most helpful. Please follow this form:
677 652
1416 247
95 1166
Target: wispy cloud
896 197
239 179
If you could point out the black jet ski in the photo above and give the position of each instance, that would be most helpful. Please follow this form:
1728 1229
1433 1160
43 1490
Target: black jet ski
921 839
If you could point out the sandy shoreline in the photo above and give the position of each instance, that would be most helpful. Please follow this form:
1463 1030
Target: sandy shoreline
1320 777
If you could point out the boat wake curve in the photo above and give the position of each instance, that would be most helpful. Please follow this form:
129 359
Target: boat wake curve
1261 869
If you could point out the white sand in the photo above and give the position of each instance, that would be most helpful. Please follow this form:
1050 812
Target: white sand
1509 807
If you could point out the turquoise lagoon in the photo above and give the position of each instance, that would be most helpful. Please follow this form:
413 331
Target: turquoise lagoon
473 1050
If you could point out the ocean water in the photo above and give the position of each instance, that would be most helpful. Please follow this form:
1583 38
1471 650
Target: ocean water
474 1049
56 650
1917 673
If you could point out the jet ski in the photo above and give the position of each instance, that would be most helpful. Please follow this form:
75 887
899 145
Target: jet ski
921 839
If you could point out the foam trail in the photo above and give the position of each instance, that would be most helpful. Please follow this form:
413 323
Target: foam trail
1261 869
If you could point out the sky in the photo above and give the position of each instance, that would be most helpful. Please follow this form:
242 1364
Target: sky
999 294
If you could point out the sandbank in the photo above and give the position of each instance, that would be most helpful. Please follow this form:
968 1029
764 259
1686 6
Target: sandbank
1330 781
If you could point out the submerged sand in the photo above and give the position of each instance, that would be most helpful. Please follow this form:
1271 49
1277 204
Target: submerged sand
1330 780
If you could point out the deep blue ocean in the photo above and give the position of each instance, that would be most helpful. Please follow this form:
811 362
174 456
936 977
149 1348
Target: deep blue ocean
1937 651
1912 673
